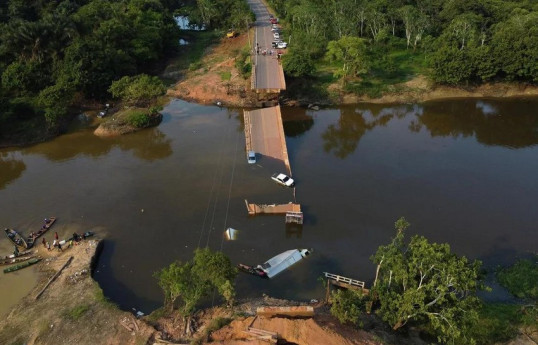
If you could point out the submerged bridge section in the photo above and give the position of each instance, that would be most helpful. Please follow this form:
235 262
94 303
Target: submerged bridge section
292 211
264 134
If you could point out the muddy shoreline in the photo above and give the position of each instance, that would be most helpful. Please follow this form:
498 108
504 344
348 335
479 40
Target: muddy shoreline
73 310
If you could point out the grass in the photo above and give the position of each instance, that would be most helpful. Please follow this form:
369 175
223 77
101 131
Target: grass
137 118
156 315
102 299
497 323
12 336
77 312
389 66
225 75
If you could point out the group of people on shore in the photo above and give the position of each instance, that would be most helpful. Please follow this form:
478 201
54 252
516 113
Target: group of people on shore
75 239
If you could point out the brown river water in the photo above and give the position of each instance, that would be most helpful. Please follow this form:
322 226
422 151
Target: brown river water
461 171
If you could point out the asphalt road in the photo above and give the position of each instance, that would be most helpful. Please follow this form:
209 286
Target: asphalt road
269 74
266 133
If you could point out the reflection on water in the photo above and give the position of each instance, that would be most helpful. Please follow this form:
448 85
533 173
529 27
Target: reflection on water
10 169
509 124
342 138
297 122
506 124
454 169
149 145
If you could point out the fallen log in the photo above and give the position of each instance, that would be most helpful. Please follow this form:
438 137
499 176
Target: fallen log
53 278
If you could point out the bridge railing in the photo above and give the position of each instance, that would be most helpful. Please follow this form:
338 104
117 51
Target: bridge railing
345 280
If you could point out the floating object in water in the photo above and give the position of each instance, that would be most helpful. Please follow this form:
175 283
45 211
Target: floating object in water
276 264
231 234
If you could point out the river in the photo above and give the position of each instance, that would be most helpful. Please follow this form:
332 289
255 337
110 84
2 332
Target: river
461 171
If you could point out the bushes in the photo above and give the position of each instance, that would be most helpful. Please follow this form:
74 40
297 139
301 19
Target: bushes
141 89
347 306
138 119
242 63
521 279
497 323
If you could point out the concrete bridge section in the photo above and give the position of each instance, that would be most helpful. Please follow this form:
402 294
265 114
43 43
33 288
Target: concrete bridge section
264 134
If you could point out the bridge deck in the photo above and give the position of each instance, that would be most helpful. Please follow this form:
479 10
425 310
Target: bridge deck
264 134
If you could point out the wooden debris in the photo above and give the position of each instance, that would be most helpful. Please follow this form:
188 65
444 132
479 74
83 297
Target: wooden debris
54 278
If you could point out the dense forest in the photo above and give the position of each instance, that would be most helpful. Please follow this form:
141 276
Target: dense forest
457 41
56 54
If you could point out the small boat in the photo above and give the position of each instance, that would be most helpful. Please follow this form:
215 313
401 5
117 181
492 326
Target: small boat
77 238
44 228
16 238
276 264
252 270
15 260
11 256
22 256
22 265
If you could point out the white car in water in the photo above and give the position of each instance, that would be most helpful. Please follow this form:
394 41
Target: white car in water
283 180
251 157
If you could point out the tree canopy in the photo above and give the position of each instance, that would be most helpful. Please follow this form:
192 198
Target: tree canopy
53 53
136 90
424 282
464 41
185 284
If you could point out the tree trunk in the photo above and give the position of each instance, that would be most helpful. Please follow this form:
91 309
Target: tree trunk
377 272
187 330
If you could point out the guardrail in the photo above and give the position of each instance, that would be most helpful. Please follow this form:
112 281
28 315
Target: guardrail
345 280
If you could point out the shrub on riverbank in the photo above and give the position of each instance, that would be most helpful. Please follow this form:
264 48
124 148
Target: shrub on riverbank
140 89
243 64
521 279
139 119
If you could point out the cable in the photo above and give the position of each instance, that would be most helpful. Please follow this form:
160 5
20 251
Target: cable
211 192
229 193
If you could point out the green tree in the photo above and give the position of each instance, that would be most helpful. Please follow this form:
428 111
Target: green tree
141 89
452 65
350 52
346 305
54 100
186 284
424 282
298 63
515 46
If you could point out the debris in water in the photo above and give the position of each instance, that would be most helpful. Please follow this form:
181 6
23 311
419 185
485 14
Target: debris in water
231 234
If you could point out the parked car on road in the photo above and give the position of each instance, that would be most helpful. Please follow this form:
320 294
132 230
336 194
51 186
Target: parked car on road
283 180
276 35
281 45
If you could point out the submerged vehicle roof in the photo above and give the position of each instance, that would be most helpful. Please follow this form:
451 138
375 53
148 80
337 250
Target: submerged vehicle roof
282 261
